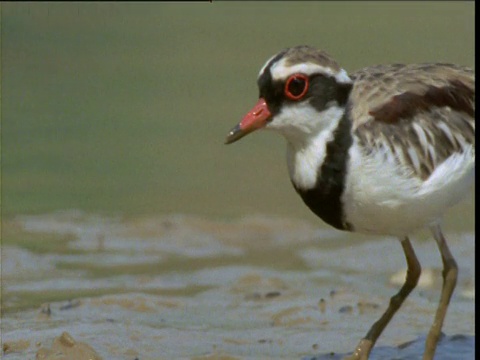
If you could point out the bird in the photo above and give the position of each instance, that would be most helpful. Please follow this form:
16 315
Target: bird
385 151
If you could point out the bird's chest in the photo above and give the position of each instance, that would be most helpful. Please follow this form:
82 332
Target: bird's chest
318 176
380 197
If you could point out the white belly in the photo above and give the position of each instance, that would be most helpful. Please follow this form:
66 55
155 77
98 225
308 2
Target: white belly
381 198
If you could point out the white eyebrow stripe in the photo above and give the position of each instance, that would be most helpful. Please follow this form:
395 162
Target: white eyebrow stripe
265 66
280 71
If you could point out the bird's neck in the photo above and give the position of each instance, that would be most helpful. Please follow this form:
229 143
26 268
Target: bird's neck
307 151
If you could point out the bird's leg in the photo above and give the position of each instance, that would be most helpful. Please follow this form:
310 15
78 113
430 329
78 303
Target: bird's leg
450 272
414 269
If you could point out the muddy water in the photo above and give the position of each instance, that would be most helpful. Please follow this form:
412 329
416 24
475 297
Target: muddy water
184 287
122 109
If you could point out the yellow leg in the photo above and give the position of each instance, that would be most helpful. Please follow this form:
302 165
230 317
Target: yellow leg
362 351
450 272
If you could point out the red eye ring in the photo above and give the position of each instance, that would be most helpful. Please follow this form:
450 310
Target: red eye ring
296 86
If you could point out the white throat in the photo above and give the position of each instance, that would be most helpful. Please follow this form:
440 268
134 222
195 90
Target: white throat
307 133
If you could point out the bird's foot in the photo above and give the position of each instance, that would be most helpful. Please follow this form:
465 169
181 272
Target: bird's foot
362 351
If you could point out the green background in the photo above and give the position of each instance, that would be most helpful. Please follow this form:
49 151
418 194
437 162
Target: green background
121 108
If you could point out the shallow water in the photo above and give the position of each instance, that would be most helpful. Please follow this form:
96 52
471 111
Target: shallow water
186 287
461 347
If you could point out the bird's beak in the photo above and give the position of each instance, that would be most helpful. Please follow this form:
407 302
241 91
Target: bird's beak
255 119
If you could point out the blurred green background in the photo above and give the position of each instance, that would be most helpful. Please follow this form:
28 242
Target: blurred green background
122 108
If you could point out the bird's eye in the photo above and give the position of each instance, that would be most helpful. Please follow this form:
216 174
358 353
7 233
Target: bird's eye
296 86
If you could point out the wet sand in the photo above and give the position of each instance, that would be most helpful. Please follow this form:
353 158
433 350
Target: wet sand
184 287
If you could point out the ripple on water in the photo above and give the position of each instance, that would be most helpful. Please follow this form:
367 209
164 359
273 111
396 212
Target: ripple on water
457 347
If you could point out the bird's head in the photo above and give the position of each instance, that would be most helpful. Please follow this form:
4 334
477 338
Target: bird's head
300 89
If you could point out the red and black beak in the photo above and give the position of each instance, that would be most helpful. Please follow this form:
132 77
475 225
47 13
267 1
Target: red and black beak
255 119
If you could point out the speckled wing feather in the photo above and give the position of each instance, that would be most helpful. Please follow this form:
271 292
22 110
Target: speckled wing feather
422 113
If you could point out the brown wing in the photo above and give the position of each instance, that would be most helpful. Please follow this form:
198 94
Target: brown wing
422 112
